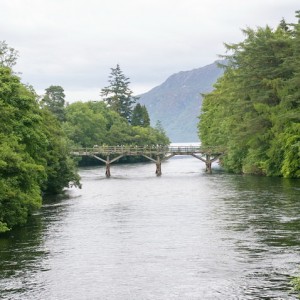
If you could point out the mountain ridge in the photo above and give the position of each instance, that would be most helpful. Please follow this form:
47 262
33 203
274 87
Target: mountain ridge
177 101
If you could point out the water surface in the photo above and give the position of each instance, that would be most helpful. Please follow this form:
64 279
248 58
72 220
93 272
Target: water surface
185 235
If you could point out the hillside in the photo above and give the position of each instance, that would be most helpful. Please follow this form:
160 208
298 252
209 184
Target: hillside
177 101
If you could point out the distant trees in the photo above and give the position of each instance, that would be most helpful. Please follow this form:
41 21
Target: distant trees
118 96
54 100
93 123
36 137
8 55
140 116
254 110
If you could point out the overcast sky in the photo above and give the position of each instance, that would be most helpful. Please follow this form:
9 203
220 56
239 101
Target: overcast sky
74 43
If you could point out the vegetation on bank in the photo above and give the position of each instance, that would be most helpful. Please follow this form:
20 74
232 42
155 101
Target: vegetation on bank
37 134
296 284
34 153
254 111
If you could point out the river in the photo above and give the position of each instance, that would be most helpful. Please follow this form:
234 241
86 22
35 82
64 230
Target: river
184 235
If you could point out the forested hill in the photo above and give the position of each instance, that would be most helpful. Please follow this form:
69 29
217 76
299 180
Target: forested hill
177 101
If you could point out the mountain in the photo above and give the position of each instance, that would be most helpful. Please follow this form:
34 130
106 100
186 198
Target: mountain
177 101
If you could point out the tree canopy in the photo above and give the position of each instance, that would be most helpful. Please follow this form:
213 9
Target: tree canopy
93 123
54 100
140 116
254 111
34 153
118 96
8 55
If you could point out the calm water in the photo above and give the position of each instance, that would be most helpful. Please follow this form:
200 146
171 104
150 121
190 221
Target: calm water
185 235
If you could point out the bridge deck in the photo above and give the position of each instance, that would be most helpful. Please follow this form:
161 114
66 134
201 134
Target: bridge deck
157 154
144 150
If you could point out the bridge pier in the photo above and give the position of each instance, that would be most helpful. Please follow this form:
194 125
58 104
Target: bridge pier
107 171
208 168
156 154
107 162
158 166
208 164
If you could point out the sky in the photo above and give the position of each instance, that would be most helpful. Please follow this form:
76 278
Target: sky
75 43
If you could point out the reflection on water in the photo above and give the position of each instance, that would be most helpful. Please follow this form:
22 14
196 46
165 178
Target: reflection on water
185 235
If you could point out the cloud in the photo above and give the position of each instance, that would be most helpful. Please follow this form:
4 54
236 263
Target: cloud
74 43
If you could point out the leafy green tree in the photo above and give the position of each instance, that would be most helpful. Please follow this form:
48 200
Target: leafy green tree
118 95
8 55
20 177
140 116
54 100
60 168
253 112
120 133
21 172
34 155
85 126
93 123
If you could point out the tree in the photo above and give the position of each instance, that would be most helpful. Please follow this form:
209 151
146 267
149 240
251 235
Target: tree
60 168
54 100
20 176
34 155
93 123
253 112
159 127
84 125
140 116
8 55
21 172
118 95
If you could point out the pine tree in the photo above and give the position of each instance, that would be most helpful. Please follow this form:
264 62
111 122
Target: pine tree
118 95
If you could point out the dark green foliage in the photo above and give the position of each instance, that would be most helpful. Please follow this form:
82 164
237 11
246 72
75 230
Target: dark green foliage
20 178
93 123
34 155
296 283
118 95
140 116
8 55
54 100
254 112
60 167
85 125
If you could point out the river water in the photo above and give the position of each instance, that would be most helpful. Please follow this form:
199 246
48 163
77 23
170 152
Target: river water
184 235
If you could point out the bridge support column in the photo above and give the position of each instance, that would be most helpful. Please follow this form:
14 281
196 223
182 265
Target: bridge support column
208 164
107 172
158 166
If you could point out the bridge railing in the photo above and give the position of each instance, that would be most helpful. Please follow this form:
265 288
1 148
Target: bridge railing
144 150
130 150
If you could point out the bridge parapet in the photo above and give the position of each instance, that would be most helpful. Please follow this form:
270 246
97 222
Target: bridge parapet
145 150
157 154
118 150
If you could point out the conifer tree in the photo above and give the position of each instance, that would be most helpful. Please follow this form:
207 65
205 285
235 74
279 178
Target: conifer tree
140 116
118 95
